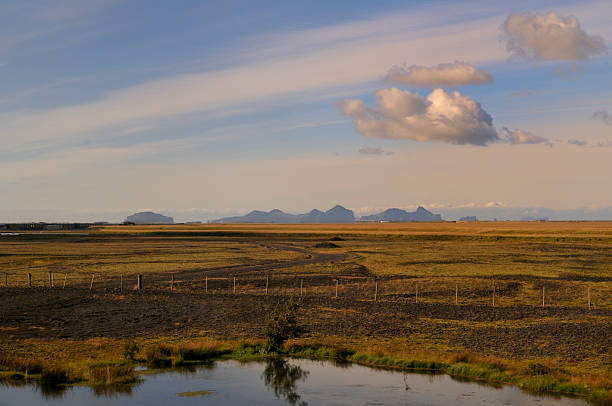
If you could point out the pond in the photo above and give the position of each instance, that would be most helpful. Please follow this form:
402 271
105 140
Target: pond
282 382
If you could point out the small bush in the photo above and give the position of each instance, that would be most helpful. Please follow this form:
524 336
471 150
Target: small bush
130 349
282 325
159 356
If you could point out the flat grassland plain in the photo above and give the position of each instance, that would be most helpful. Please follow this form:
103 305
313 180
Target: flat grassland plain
516 298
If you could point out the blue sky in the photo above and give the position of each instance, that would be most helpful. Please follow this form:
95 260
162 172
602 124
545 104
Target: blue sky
204 109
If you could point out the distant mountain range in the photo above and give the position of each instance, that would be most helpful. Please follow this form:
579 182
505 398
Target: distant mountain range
391 215
337 214
148 217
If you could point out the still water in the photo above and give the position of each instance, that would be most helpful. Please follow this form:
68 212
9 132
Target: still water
283 382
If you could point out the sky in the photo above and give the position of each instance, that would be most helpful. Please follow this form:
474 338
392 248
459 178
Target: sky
207 109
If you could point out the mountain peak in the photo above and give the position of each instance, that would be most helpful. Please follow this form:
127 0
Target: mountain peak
395 214
337 208
336 214
148 217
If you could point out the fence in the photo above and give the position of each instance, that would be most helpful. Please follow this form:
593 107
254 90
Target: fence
449 290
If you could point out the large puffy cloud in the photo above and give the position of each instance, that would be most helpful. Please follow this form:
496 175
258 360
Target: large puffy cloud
549 36
448 117
442 75
517 136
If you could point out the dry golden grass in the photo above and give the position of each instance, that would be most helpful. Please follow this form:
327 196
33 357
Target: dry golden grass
518 260
556 229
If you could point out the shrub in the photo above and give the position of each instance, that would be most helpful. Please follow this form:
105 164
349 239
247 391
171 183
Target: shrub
130 349
282 325
159 356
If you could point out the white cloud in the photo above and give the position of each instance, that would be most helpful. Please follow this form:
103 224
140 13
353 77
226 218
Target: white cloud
448 117
517 136
359 58
603 116
367 150
442 75
549 36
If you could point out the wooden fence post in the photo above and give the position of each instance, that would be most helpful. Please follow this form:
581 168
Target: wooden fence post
91 284
416 293
267 282
375 290
301 288
205 283
50 279
336 287
234 285
6 279
29 280
172 283
120 283
493 294
589 296
543 297
456 294
139 281
65 279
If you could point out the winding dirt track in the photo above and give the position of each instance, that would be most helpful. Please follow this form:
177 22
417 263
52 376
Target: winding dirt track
310 258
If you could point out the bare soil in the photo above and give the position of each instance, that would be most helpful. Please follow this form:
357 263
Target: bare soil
567 333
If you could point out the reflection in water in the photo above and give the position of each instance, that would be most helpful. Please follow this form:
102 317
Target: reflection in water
47 391
282 377
113 391
50 391
319 383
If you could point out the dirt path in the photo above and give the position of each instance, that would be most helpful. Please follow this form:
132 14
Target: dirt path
310 258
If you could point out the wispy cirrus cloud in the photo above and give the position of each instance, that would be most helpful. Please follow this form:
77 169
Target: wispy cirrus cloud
62 10
521 93
357 58
568 72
